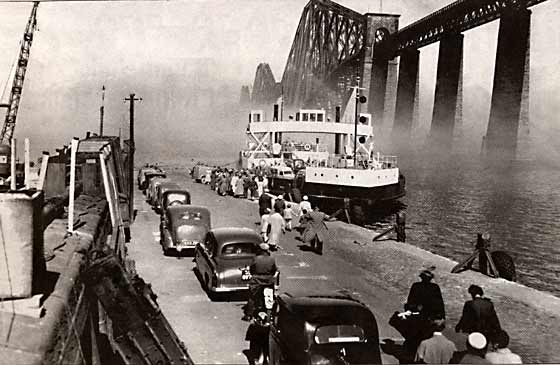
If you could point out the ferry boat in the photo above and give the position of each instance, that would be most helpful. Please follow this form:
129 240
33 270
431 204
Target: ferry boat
359 174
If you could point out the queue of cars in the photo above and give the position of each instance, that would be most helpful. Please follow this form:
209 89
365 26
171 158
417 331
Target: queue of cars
323 328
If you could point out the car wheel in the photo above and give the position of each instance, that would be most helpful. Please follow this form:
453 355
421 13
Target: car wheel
209 292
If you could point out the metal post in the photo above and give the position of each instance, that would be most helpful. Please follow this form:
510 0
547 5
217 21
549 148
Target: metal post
132 148
108 194
102 111
282 103
356 118
13 165
43 171
26 163
74 149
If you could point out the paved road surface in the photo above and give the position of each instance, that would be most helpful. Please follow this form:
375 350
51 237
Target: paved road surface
213 331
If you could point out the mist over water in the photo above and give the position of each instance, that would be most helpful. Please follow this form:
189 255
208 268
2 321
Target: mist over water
449 200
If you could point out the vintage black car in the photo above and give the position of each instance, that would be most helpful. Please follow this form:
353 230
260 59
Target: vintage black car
174 197
160 191
183 227
146 174
323 329
223 255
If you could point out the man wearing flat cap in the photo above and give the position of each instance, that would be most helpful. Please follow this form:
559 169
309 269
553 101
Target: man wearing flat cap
425 297
262 274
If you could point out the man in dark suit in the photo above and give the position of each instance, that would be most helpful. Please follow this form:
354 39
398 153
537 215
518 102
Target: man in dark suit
425 297
265 203
262 275
479 315
424 309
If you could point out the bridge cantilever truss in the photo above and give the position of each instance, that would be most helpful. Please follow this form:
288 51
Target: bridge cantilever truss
265 88
457 17
328 37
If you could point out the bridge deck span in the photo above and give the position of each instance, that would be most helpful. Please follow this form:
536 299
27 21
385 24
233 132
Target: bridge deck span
457 17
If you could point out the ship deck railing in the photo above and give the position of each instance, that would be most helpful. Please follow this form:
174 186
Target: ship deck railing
376 162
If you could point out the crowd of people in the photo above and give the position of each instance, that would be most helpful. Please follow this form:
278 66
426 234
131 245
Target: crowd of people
240 183
277 214
423 321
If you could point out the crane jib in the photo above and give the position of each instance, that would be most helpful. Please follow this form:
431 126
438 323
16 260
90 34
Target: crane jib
19 77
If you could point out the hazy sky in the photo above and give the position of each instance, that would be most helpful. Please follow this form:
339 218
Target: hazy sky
170 52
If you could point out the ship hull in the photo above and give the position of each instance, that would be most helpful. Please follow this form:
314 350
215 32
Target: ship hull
368 195
363 196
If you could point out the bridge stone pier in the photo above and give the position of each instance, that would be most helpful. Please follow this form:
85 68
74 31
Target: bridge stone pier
508 122
449 74
406 93
508 126
376 61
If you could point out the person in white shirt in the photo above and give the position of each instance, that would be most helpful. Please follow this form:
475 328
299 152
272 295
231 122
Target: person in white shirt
436 349
288 215
305 205
277 227
500 353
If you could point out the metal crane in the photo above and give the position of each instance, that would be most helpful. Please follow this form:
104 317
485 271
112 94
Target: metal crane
19 77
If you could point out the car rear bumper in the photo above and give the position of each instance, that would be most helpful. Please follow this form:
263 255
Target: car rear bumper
181 247
229 289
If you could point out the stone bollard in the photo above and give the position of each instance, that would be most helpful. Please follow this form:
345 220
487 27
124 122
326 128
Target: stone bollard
22 264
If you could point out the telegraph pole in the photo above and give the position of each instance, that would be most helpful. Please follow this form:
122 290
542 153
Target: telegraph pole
131 149
102 111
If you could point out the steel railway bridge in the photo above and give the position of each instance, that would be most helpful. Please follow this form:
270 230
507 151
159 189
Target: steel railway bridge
334 46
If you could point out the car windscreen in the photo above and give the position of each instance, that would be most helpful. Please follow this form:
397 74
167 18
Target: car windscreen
238 249
339 333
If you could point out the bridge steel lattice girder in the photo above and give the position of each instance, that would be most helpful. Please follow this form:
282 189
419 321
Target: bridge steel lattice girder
265 89
457 17
328 35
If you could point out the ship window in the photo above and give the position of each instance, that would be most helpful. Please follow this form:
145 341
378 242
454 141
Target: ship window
297 116
305 117
321 174
315 174
319 117
351 177
336 175
312 117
